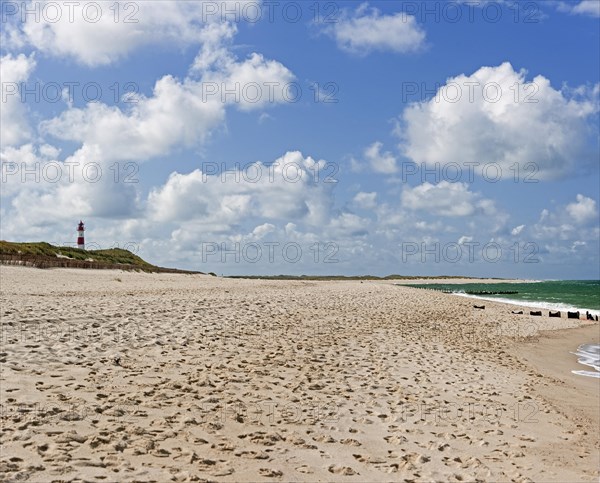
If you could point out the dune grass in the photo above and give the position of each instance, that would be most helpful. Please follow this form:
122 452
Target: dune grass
69 256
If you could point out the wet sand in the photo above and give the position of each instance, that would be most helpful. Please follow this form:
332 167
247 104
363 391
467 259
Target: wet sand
551 356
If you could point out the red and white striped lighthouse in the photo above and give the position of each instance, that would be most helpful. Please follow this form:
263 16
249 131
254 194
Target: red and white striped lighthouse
80 239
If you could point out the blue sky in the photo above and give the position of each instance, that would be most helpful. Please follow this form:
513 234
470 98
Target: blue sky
363 100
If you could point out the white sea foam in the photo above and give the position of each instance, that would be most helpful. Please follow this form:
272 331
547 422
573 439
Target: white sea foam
588 355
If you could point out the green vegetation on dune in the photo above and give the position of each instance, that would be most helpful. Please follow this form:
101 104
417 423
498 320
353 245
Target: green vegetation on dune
46 255
113 255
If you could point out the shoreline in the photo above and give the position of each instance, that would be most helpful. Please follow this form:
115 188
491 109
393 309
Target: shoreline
459 281
516 302
533 304
551 355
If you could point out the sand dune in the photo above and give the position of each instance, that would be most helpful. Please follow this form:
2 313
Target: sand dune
117 376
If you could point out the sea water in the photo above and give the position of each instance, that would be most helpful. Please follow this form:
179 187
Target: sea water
562 295
589 355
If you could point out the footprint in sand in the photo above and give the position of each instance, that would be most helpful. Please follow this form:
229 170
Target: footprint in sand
459 462
271 473
350 442
396 439
258 455
324 438
409 460
342 470
369 459
215 468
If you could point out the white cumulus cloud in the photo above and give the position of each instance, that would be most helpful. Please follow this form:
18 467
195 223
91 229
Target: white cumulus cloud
496 116
446 199
576 220
174 114
99 33
367 30
380 162
367 201
588 7
14 125
179 112
284 190
517 230
583 210
584 7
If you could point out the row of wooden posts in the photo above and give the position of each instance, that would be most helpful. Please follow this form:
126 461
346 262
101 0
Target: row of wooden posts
473 292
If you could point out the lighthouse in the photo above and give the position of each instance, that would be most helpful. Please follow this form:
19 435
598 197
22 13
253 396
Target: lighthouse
80 239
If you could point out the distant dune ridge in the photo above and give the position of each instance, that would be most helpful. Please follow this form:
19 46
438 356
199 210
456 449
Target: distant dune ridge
111 375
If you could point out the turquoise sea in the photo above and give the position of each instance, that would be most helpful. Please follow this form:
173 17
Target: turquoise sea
556 294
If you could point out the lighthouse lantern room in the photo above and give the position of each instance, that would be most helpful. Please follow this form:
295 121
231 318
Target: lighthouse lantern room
80 239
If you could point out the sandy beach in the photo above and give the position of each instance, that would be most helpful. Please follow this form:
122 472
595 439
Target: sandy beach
120 376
